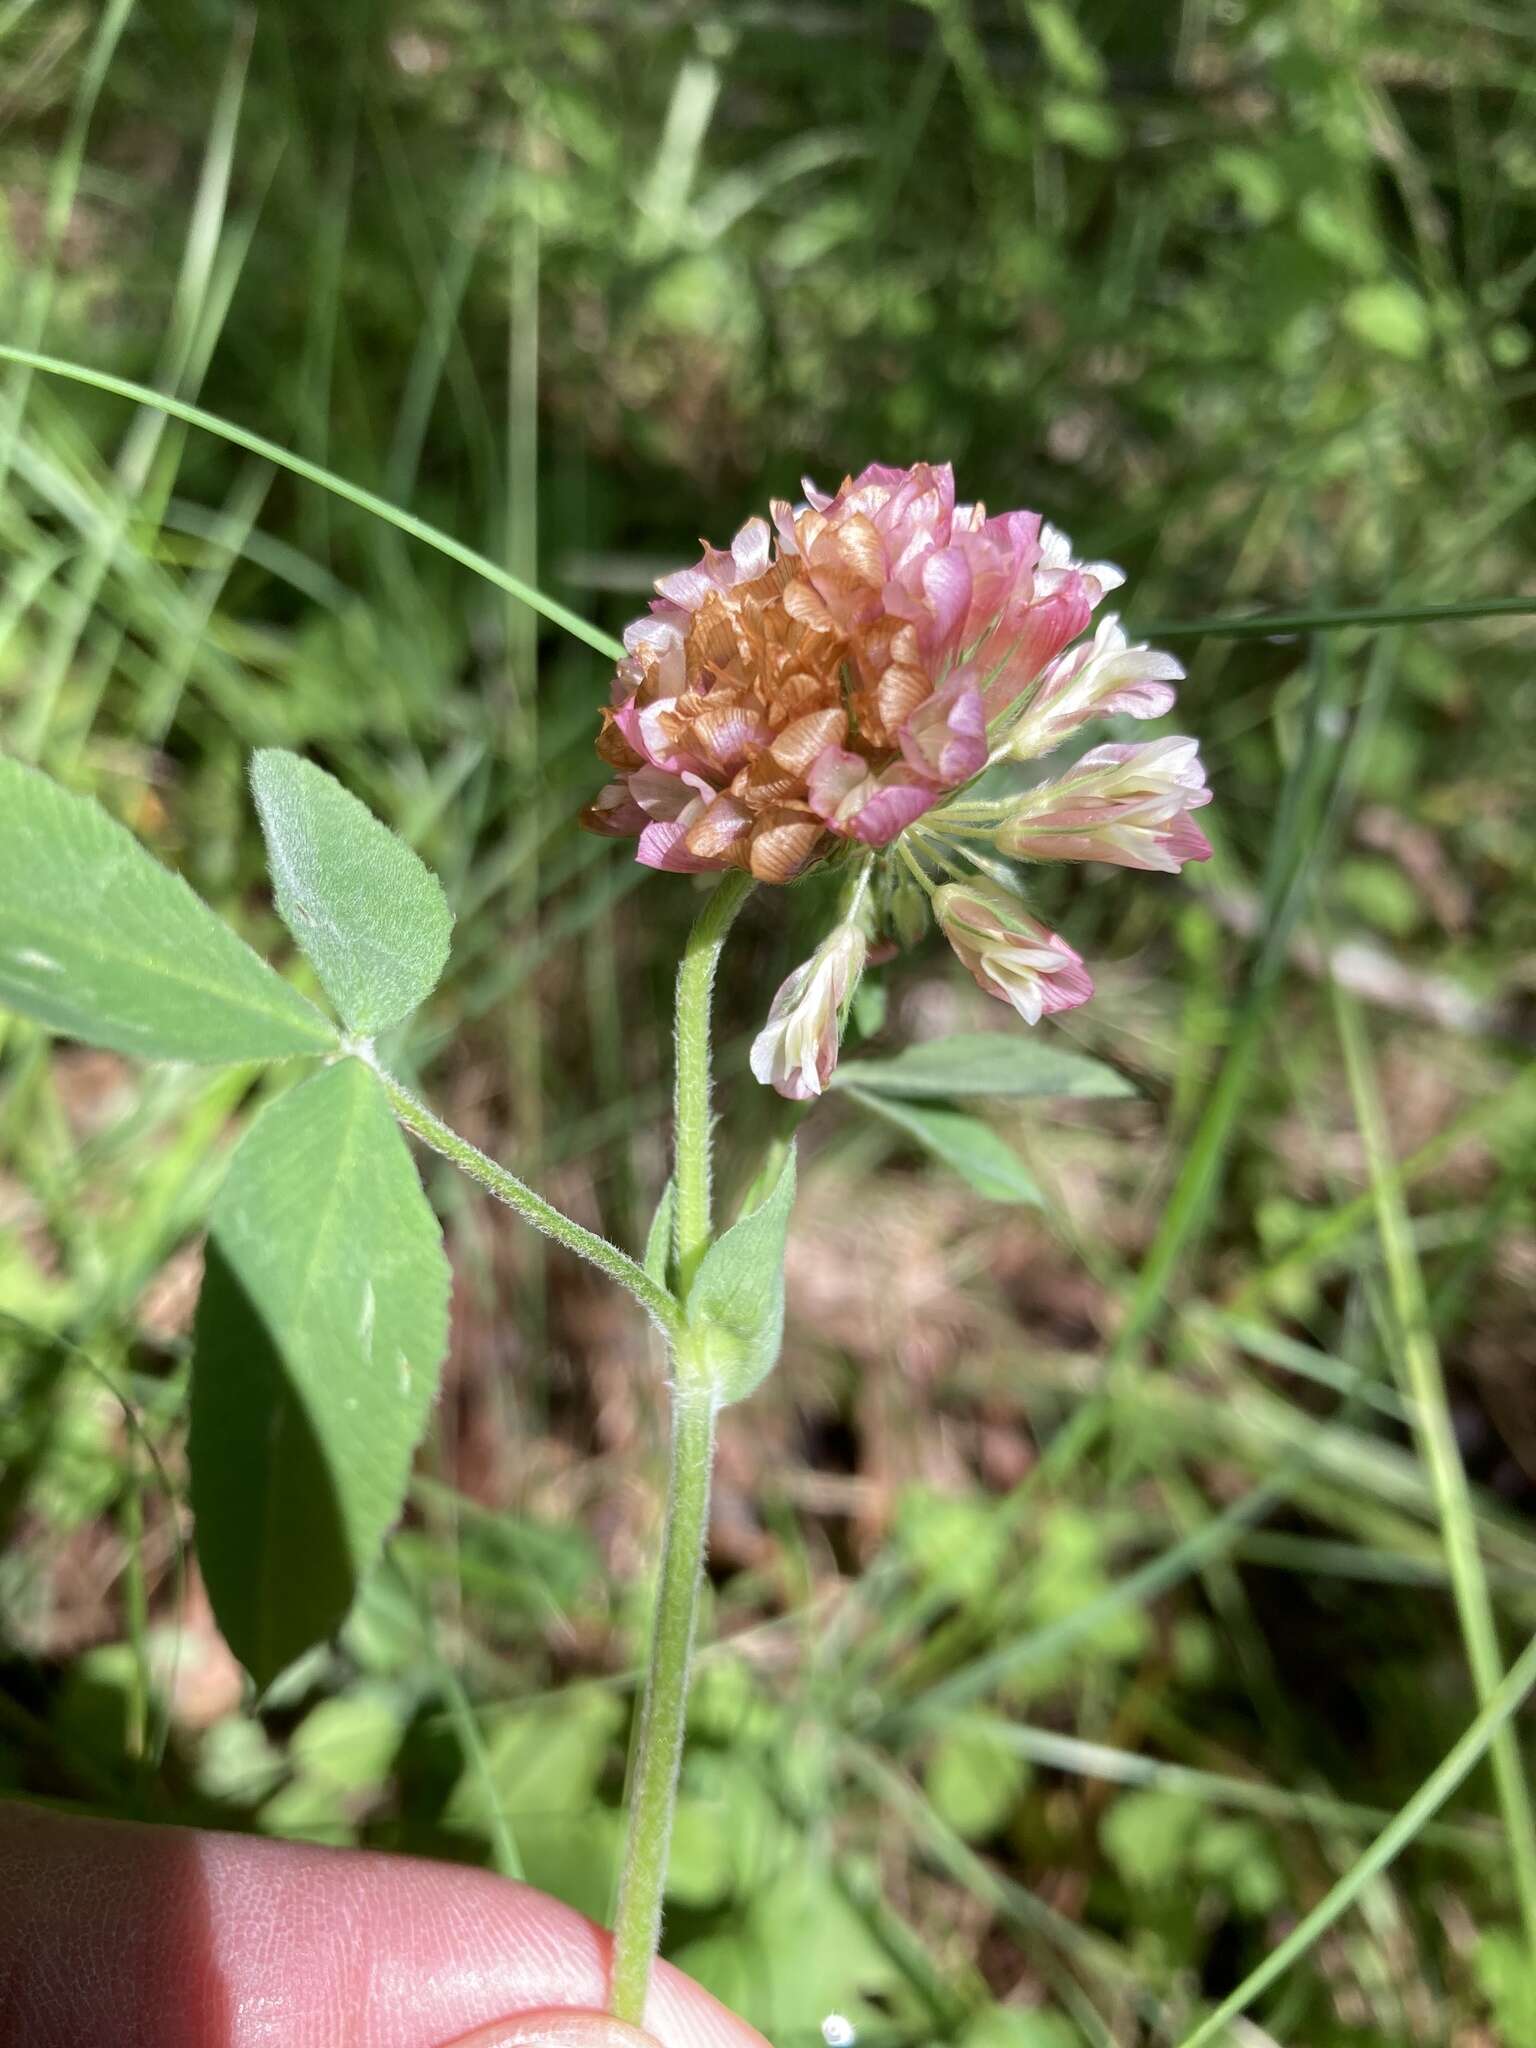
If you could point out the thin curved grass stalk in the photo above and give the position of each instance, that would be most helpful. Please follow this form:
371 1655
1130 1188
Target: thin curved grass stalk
312 472
1328 620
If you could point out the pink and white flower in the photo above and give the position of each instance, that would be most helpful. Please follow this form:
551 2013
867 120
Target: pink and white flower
1094 680
840 676
796 1049
1010 954
1128 805
840 688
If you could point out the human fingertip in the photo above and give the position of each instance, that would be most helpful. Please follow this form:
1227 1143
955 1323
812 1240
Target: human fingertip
557 2027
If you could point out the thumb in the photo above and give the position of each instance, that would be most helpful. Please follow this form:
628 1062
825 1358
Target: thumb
121 1936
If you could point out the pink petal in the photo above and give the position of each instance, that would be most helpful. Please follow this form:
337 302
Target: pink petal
1068 986
614 813
661 846
946 737
898 798
687 588
923 501
882 475
1027 641
947 588
1185 841
1147 694
1002 555
641 726
750 549
832 778
663 797
654 634
863 806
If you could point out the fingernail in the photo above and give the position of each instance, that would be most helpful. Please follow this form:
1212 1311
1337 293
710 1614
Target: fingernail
558 2027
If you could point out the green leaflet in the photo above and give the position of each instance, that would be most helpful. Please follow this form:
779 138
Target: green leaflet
370 918
320 1332
736 1303
964 1143
983 1063
99 941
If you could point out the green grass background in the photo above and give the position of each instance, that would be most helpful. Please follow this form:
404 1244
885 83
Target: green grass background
1091 1585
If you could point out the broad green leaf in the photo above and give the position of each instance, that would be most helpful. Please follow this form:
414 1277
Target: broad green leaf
350 1739
101 942
1149 1836
1010 2026
544 1757
1389 316
574 1856
964 1143
341 1750
539 1776
973 1780
736 1302
320 1330
371 919
983 1063
658 1239
799 1909
699 1857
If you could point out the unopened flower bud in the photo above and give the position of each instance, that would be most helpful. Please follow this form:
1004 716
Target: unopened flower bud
796 1049
1011 954
908 910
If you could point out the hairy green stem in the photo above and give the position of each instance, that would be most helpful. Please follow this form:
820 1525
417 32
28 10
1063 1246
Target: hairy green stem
506 1187
691 1114
659 1752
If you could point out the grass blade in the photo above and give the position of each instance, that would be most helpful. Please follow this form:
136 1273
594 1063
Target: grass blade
1458 1761
1424 1385
62 188
311 472
1335 619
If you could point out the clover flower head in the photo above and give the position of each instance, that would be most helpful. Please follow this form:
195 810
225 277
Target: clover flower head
771 704
834 682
